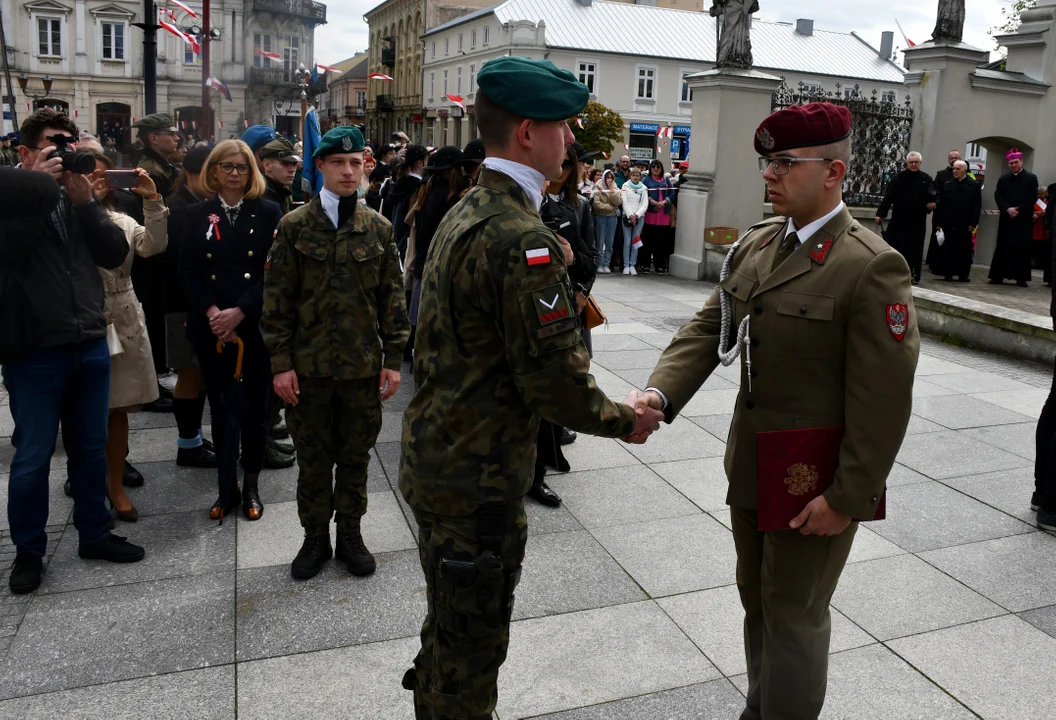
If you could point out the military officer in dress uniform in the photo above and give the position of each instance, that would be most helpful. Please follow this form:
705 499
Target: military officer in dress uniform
279 161
497 347
829 338
335 323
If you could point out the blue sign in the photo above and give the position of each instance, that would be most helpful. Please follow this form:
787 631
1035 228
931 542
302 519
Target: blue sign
676 146
682 130
644 128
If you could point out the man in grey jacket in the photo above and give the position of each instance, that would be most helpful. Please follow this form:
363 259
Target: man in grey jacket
61 373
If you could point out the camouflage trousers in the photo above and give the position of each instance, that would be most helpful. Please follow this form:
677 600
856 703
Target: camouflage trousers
336 423
472 566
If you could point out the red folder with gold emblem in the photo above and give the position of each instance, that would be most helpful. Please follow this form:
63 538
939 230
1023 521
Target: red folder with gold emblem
794 467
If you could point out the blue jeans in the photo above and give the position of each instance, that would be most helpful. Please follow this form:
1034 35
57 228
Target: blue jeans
71 384
630 254
604 230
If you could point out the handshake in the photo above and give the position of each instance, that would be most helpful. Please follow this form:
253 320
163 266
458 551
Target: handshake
649 411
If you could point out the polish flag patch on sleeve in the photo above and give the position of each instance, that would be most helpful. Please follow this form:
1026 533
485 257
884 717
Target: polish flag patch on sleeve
538 256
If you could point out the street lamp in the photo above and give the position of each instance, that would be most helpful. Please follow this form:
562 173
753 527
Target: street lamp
302 83
23 84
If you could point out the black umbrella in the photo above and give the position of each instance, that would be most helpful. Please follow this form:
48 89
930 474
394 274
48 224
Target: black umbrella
235 403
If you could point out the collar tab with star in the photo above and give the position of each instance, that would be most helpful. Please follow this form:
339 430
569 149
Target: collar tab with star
821 248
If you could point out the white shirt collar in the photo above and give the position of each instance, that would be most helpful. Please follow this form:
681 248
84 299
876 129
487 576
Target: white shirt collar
804 234
415 175
329 201
531 180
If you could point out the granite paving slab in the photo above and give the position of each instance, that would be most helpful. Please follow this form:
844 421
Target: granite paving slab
1017 439
613 496
931 365
542 519
1043 619
1007 570
1024 402
925 389
897 596
278 615
566 572
947 454
595 453
999 668
918 518
169 488
918 425
207 694
361 682
870 546
962 411
902 475
715 699
569 661
1007 490
681 440
674 555
614 343
975 381
703 482
711 402
627 359
107 634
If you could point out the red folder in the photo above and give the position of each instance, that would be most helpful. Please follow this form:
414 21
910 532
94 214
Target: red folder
794 467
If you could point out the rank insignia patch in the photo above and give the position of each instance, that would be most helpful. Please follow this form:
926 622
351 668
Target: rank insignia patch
898 320
551 305
820 251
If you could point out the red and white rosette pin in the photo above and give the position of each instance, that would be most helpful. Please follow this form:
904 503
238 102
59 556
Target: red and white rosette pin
214 227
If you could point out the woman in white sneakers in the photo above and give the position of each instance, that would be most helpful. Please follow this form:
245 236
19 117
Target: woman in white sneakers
635 203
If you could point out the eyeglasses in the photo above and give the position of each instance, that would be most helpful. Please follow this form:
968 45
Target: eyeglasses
228 168
783 164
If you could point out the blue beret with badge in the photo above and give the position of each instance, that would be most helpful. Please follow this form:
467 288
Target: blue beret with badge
344 139
257 136
533 89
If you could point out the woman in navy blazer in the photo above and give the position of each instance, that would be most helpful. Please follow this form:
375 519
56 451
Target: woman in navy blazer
225 246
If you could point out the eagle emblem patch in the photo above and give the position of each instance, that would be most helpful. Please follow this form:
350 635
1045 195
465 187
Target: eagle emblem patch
898 320
346 143
766 140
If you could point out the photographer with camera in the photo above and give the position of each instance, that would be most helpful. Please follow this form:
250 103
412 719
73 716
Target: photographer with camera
56 362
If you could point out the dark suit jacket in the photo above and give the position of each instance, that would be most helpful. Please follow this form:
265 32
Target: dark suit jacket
226 271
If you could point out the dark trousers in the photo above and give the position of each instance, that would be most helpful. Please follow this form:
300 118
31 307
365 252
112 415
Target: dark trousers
617 244
907 236
149 276
218 370
335 424
657 246
956 253
1045 452
68 384
786 581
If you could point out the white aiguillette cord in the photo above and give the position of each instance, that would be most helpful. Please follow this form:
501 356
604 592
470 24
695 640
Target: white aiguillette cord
726 357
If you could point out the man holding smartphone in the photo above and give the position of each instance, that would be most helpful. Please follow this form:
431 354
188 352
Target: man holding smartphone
63 373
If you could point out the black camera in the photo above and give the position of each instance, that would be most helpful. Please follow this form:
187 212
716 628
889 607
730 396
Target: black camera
80 162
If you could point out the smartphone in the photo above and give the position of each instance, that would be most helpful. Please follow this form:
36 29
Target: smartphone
123 179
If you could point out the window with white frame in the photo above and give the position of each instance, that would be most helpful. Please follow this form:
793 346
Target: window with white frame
447 46
192 58
432 85
445 82
113 39
848 93
361 100
888 96
261 43
458 80
687 92
472 79
460 42
472 39
291 49
975 150
587 74
49 36
646 83
487 31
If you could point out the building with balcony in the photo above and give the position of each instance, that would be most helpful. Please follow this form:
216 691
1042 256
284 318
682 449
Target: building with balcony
396 27
347 94
647 87
93 55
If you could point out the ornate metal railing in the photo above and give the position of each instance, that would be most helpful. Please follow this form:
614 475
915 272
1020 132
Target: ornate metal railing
879 139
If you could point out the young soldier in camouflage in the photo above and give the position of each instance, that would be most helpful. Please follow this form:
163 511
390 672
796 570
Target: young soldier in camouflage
335 323
157 132
497 347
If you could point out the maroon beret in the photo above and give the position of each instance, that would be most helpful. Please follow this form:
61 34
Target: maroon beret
803 126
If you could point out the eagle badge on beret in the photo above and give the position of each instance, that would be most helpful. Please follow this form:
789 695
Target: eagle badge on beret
765 138
346 143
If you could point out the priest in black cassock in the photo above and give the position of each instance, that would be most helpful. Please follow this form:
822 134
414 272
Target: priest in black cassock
933 258
1016 194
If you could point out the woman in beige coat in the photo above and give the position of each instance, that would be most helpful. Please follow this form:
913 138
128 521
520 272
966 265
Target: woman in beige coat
606 200
133 382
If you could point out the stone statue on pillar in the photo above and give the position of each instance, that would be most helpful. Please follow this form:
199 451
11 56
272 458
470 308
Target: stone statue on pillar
735 44
949 24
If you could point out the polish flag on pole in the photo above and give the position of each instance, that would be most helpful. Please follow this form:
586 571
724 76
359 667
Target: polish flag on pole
269 55
579 123
168 12
331 68
457 100
379 76
189 39
183 7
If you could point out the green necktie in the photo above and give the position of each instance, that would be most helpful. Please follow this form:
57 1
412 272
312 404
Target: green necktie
788 246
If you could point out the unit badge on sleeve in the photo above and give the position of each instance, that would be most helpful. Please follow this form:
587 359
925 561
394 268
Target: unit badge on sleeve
898 320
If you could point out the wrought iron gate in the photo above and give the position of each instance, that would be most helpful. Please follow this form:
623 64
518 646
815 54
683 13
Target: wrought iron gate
879 139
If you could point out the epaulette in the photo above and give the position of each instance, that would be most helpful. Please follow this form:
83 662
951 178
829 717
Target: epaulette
867 237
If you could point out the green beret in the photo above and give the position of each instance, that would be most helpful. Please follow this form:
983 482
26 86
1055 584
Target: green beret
534 89
280 149
342 139
155 121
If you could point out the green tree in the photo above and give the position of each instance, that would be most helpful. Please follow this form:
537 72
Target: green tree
1010 16
602 127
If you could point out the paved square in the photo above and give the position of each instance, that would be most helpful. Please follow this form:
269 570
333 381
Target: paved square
628 608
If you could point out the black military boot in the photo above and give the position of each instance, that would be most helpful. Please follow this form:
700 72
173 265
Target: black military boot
313 555
279 431
25 574
351 550
540 491
275 459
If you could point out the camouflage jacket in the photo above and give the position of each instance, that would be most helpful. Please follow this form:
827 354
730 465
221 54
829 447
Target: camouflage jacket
161 171
497 347
334 304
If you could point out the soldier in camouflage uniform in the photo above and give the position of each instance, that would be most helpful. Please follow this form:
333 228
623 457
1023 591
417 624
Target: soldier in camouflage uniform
5 152
335 324
497 347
